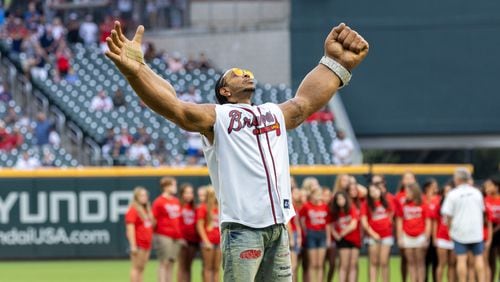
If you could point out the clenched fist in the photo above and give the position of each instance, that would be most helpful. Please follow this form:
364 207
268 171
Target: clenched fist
346 46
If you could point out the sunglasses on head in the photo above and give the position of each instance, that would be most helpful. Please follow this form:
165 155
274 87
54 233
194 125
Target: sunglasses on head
241 72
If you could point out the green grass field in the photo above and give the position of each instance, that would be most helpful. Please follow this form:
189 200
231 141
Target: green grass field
110 271
114 270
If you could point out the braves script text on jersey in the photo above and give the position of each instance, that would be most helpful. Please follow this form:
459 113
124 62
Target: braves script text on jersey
248 165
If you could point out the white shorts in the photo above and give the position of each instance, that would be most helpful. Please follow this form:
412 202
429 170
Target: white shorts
388 241
411 242
445 244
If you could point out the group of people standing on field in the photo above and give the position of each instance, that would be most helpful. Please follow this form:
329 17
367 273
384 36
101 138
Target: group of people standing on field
179 229
429 224
432 226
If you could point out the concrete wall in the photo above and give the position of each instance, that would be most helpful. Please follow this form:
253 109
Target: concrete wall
238 13
265 52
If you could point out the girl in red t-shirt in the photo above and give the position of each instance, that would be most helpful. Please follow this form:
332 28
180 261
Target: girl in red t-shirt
414 228
342 182
139 224
168 236
407 179
376 218
189 233
442 240
314 216
487 238
207 224
356 192
492 202
304 196
344 229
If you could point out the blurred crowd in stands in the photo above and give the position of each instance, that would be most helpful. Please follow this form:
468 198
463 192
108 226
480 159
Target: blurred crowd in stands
122 148
42 136
42 35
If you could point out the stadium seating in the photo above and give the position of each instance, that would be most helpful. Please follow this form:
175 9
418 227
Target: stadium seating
61 158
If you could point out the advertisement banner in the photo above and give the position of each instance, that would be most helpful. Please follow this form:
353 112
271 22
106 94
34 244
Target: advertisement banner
69 217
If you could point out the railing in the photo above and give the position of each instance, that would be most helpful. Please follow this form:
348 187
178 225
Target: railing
75 134
60 123
41 101
92 152
33 101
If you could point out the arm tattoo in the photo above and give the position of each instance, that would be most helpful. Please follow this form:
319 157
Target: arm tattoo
297 116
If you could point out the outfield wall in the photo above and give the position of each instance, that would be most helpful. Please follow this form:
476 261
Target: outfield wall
78 213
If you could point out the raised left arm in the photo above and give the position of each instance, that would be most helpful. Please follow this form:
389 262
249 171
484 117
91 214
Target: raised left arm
346 47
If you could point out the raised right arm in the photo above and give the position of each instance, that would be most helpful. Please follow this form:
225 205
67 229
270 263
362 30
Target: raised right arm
156 92
160 96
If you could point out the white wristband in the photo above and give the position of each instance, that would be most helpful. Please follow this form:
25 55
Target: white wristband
343 74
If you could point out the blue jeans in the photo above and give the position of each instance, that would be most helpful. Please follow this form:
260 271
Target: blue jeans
255 254
315 239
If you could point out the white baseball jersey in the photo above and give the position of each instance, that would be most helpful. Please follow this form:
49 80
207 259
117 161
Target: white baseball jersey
248 165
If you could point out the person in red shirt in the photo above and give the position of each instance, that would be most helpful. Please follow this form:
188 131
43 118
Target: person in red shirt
342 183
379 180
344 229
308 184
492 201
432 199
189 233
304 196
294 231
207 225
139 222
105 30
414 229
331 251
314 216
168 236
407 179
356 192
442 240
487 237
376 218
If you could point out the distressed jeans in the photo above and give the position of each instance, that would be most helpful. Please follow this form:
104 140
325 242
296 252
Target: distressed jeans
255 254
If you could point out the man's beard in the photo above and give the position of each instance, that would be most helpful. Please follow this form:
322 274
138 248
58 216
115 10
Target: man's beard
248 90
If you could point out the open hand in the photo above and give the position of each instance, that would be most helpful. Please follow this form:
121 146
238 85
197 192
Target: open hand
346 46
126 54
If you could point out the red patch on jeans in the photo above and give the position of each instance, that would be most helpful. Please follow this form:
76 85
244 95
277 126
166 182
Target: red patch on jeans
250 254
